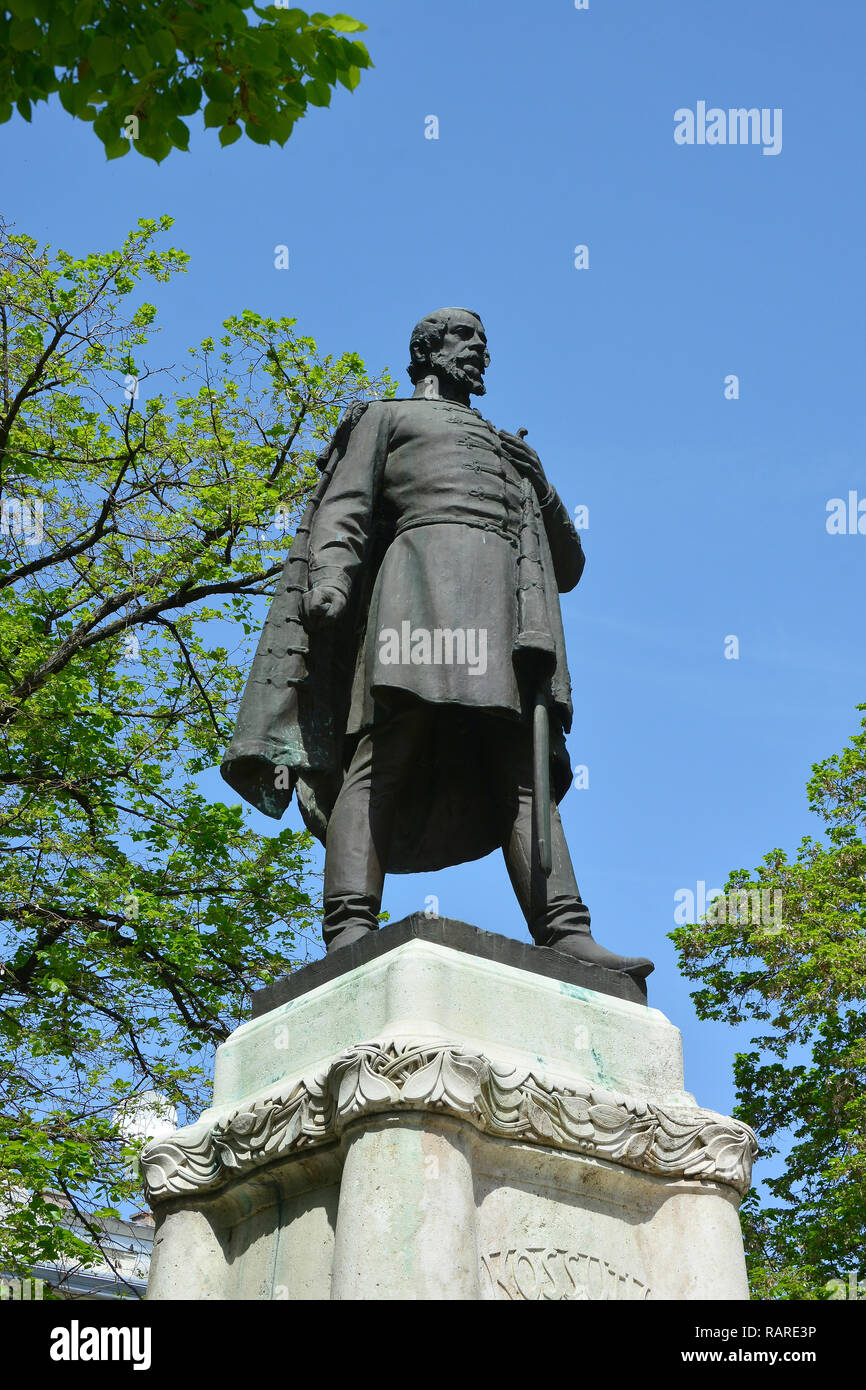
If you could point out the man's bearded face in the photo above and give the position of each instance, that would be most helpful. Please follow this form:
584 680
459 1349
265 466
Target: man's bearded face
462 355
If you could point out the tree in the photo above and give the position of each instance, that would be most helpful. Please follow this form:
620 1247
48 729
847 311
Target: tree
136 67
804 981
142 534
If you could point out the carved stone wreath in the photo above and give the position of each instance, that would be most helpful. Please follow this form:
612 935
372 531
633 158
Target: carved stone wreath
506 1102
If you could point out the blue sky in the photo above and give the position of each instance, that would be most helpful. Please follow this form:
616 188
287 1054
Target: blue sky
706 515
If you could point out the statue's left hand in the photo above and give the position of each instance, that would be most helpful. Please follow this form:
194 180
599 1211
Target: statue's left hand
526 461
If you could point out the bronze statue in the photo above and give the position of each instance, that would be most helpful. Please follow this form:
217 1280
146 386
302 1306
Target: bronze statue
411 683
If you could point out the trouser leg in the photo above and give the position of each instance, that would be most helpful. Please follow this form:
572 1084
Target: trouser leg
551 905
555 912
362 821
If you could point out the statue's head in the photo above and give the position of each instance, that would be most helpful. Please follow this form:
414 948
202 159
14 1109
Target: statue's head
450 343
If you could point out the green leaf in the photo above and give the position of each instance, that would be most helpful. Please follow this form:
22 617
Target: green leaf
344 24
139 60
350 78
69 96
219 86
229 134
105 54
179 133
217 113
162 47
318 93
24 34
292 18
259 134
187 96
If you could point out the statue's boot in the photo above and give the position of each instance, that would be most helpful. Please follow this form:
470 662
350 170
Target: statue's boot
355 931
581 946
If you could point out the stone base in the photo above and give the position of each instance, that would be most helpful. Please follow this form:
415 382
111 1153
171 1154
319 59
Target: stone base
433 1124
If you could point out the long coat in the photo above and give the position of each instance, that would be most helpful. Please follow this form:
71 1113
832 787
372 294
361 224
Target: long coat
419 518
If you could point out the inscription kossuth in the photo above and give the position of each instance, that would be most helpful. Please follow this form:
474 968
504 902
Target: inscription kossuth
536 1273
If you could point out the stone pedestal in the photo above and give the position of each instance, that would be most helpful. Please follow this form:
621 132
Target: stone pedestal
448 1114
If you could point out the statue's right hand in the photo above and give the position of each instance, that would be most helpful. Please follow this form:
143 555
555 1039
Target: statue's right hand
321 606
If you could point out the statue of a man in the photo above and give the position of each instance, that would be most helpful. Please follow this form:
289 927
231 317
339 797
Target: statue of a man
413 664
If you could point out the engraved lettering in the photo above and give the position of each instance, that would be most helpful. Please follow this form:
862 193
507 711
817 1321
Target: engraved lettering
531 1293
496 1282
555 1295
595 1285
537 1273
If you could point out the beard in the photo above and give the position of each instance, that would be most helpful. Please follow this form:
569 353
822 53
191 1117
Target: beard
464 374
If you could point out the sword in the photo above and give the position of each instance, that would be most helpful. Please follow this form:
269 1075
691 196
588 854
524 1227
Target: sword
534 646
541 781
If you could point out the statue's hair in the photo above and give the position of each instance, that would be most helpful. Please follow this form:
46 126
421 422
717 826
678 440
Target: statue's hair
427 335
